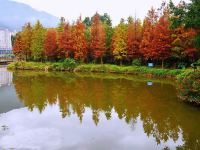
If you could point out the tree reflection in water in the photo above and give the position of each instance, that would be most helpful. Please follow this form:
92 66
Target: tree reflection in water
157 106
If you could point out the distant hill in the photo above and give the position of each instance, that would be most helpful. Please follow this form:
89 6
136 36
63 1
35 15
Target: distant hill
13 15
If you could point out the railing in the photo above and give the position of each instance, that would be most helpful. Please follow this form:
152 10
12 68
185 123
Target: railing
6 60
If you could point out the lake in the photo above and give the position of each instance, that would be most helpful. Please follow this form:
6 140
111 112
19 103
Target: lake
61 111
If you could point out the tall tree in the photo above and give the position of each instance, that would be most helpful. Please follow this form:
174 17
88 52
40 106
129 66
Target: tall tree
97 44
37 44
161 43
79 43
146 46
50 44
65 42
26 36
18 47
119 42
134 37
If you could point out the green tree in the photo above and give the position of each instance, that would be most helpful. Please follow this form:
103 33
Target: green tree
37 49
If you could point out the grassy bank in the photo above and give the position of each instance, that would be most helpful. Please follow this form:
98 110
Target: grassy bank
106 68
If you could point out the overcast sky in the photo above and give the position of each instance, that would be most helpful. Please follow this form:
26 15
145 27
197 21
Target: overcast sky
71 9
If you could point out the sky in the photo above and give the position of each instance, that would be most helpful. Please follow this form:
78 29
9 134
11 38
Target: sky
117 9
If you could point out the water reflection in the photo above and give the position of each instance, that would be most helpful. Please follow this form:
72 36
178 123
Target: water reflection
95 112
8 98
5 77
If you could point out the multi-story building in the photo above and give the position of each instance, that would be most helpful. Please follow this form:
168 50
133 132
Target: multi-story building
5 42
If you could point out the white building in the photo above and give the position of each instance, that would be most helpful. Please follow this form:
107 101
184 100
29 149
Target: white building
5 42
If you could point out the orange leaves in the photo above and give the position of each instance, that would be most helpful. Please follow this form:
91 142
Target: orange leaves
156 37
50 43
79 44
65 41
97 43
183 43
162 39
134 38
18 47
146 47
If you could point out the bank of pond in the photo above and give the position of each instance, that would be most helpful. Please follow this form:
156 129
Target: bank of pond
187 80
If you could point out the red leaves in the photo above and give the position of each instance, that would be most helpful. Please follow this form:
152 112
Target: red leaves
97 44
18 47
65 41
162 39
183 40
50 43
134 38
146 47
79 44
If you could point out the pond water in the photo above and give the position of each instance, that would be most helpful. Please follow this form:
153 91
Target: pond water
61 111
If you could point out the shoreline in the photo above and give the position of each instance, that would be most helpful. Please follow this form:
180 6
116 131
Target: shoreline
186 80
99 68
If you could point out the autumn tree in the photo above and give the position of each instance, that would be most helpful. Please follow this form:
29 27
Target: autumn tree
97 44
162 38
134 37
146 46
26 36
37 44
119 42
18 47
79 44
188 16
65 42
50 44
183 44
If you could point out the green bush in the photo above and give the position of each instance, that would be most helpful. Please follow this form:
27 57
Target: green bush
181 65
189 86
69 63
136 62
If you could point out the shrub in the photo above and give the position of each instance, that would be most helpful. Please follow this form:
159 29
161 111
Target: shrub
137 62
181 65
69 63
189 86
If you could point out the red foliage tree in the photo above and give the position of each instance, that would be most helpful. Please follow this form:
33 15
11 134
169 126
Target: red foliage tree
134 38
97 44
50 43
79 43
18 47
146 46
65 41
183 43
162 39
189 37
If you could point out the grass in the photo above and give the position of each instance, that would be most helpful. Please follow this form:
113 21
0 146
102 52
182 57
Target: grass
69 65
150 72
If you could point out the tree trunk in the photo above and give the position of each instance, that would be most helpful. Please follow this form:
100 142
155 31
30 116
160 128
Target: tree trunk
120 62
101 61
162 63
